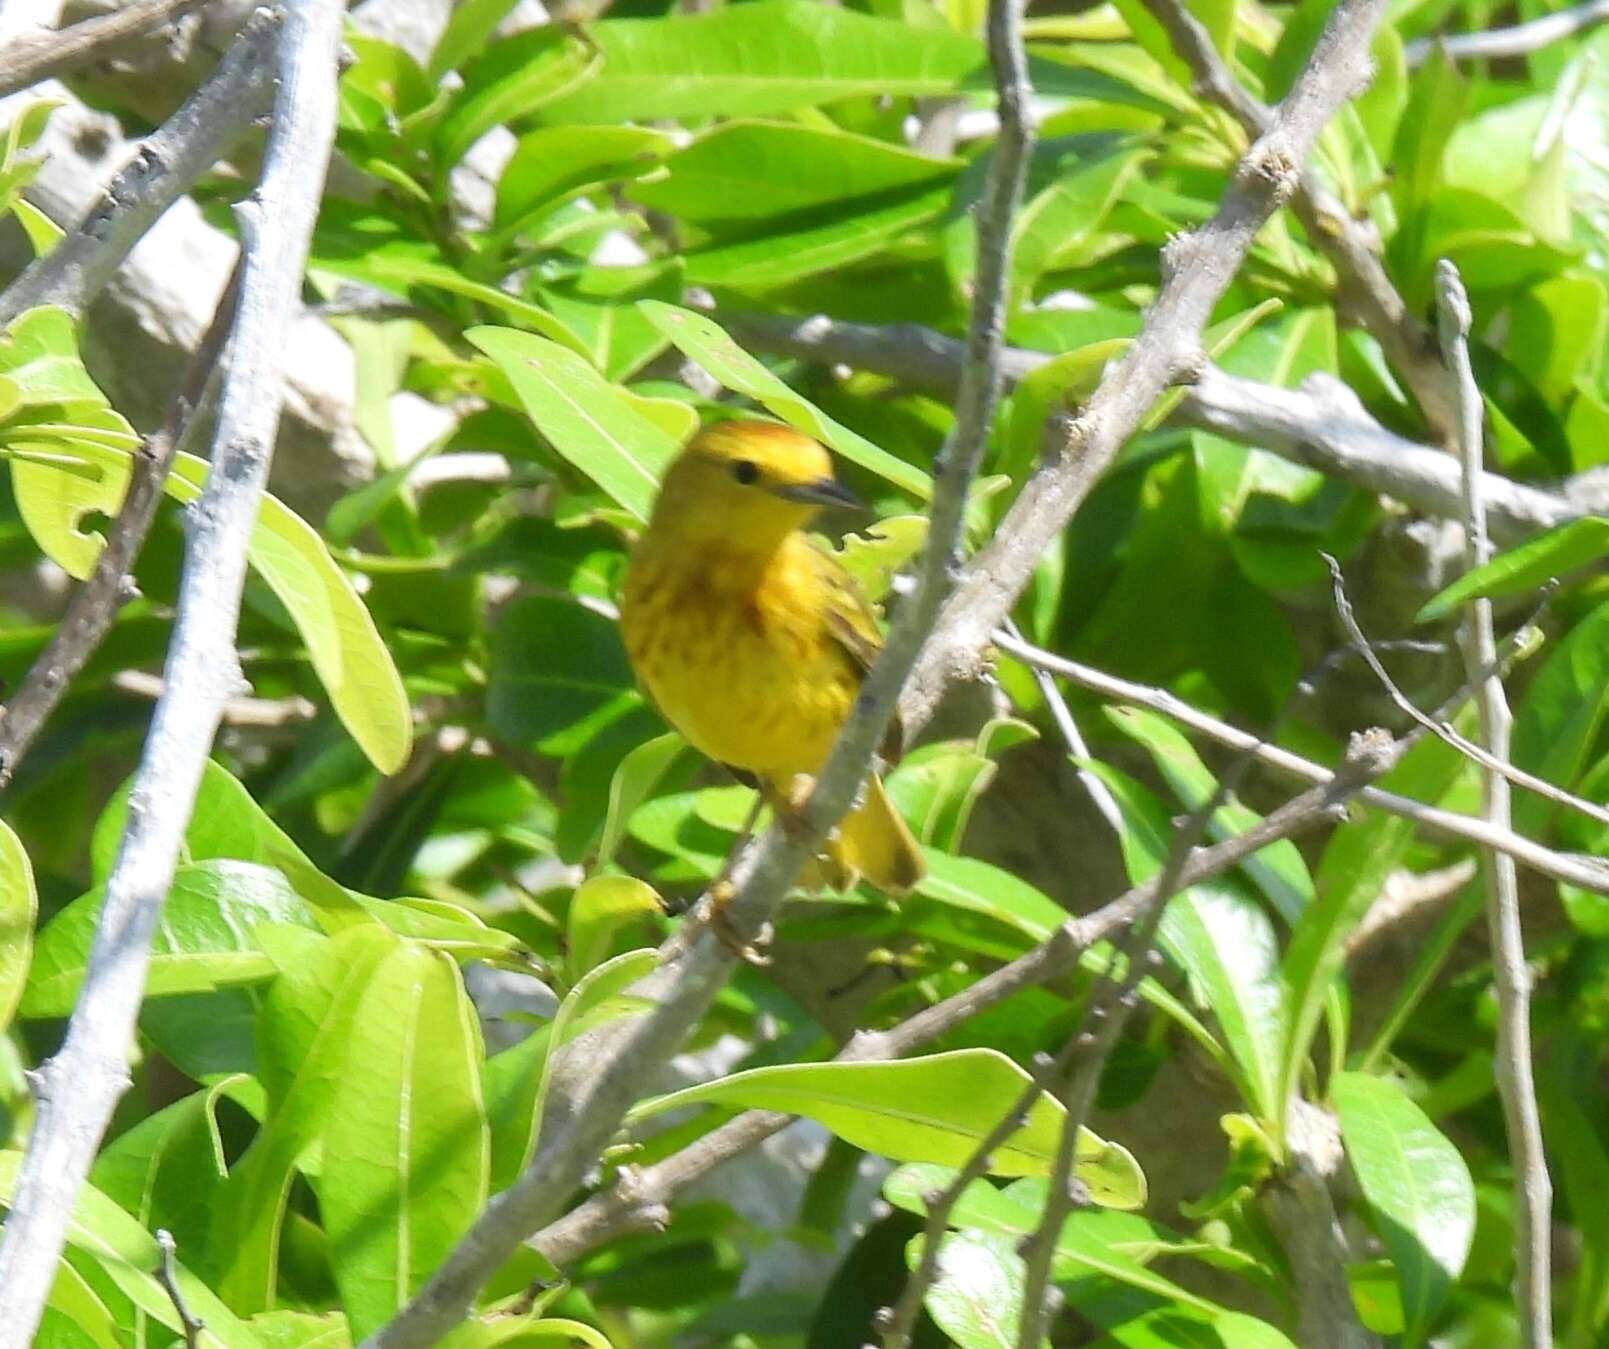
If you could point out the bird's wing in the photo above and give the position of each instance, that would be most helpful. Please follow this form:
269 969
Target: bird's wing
852 623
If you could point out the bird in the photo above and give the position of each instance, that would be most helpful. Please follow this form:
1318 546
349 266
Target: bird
752 640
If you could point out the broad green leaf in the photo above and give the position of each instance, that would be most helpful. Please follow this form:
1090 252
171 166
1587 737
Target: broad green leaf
585 418
472 23
633 781
39 355
1560 714
1277 870
1220 937
933 1109
976 1298
556 1332
128 1253
761 59
405 1148
368 246
1359 856
1526 567
517 1080
1187 1328
558 675
606 912
936 787
771 261
512 78
301 1330
204 941
167 1169
1436 99
552 164
343 644
1052 229
1416 1183
874 555
302 1039
700 337
19 907
1100 1242
72 1297
749 170
994 894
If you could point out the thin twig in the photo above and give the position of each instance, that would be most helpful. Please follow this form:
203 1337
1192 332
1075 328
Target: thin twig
899 1322
42 56
80 1085
167 1274
607 1215
1443 730
1322 425
1099 793
95 604
1590 873
162 170
1516 1084
697 964
1365 292
1520 40
1197 269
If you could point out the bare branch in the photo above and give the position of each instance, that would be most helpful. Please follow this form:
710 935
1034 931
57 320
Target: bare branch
1196 269
607 1215
94 606
696 962
1322 425
28 60
1443 730
168 161
1590 873
167 1275
1516 1083
1300 1211
1366 293
1521 40
82 1082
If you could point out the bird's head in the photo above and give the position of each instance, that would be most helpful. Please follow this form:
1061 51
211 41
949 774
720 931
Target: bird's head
747 484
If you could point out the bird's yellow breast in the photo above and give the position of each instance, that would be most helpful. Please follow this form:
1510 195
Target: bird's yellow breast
736 651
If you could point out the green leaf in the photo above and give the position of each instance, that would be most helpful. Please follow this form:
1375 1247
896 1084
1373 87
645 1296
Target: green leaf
405 1147
1277 870
1417 1185
1436 99
302 1038
633 782
552 164
512 78
769 261
1356 861
205 940
700 337
516 1095
167 1169
763 58
604 911
744 171
1553 553
128 1253
1053 228
558 674
468 29
1100 1242
933 1109
976 1298
1221 938
1560 715
343 644
589 421
19 907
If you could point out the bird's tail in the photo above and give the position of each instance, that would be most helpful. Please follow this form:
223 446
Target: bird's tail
873 842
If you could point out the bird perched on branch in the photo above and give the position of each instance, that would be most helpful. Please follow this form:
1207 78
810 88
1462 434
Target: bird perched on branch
751 639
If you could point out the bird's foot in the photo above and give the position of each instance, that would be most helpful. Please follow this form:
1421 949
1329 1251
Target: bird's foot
713 912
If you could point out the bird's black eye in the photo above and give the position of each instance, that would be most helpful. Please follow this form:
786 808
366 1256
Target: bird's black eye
745 471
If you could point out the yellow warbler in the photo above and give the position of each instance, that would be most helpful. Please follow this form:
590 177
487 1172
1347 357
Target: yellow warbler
752 640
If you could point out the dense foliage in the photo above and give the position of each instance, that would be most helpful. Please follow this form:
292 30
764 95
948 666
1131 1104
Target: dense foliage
446 774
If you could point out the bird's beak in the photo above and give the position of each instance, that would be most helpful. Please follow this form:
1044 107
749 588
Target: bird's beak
821 492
